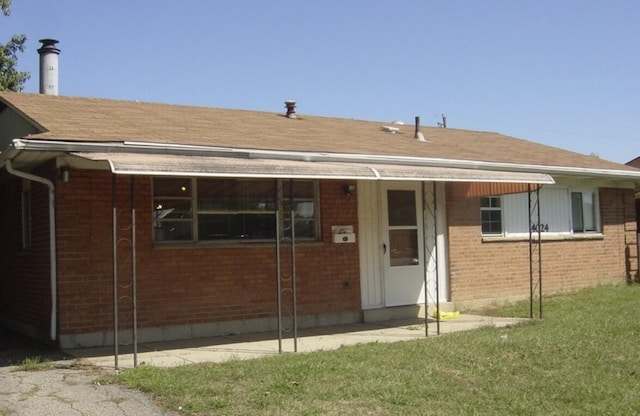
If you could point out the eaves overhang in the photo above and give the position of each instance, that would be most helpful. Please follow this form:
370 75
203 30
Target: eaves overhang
214 166
242 153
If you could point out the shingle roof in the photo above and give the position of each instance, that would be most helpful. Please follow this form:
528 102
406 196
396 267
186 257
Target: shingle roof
102 120
634 162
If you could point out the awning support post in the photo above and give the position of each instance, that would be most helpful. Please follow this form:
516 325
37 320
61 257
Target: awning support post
278 274
290 288
114 228
430 240
117 283
425 269
535 251
134 276
435 248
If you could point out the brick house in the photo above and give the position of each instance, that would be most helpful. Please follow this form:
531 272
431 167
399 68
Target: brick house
186 222
636 164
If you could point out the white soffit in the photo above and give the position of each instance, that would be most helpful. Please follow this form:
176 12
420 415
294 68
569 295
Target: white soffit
209 166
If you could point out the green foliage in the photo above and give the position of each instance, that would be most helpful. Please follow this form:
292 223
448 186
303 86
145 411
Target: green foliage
582 358
11 79
34 364
4 6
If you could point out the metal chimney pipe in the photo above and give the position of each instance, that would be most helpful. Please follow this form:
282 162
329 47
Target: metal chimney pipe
418 133
291 108
48 67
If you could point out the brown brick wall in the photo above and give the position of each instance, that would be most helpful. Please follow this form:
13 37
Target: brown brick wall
190 284
486 270
181 285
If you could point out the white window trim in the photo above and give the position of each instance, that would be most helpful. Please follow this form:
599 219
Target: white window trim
501 209
596 208
554 235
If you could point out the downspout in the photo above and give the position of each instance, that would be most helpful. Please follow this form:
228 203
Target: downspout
52 240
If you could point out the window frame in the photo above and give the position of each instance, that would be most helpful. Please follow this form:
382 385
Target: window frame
557 224
157 209
595 214
286 200
491 209
197 213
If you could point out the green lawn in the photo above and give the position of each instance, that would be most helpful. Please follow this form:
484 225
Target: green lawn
583 358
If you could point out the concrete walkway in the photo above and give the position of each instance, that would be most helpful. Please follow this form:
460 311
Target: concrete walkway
71 386
246 346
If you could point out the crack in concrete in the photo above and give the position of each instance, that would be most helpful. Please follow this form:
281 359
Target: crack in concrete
70 391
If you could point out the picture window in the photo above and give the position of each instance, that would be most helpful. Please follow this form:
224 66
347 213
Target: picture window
233 210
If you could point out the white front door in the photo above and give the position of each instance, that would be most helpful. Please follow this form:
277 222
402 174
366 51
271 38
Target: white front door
403 248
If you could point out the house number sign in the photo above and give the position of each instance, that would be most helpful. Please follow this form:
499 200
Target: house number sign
540 228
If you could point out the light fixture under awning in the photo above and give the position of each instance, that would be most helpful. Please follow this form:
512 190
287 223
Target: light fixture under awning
213 166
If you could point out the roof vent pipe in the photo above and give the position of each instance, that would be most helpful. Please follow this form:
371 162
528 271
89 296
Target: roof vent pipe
291 108
48 67
418 134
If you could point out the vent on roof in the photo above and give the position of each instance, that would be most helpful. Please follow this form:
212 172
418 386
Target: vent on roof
418 134
390 129
291 108
48 67
443 123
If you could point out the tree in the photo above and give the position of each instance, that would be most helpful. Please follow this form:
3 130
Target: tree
10 78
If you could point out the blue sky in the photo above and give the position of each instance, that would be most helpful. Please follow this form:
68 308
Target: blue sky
563 73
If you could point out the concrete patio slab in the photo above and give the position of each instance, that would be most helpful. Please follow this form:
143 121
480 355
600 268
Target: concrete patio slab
247 346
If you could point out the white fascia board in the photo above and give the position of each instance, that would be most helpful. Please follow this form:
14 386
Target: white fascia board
132 146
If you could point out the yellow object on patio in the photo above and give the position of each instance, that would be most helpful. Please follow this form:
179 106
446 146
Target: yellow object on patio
446 315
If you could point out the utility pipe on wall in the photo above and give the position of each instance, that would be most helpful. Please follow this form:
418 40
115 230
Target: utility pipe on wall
52 240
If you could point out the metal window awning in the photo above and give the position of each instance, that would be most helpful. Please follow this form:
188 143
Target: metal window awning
153 164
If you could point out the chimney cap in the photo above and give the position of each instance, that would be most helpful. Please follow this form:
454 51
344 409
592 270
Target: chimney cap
48 45
291 108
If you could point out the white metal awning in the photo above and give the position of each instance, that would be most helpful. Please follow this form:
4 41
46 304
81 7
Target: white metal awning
214 166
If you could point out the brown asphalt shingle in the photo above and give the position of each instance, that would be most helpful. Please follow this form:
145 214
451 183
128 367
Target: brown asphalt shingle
101 120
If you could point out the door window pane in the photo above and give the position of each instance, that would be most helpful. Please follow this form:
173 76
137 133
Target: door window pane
403 247
401 207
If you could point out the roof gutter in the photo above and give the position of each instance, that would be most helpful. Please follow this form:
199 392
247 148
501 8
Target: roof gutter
52 241
66 146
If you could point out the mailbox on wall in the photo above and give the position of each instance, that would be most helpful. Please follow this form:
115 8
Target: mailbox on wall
343 234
